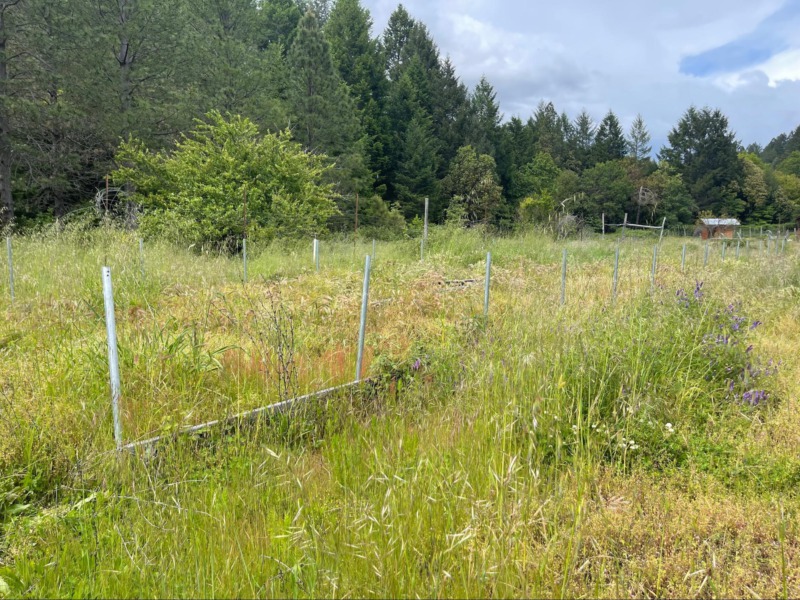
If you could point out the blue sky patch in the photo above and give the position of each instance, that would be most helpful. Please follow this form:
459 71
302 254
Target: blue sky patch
749 50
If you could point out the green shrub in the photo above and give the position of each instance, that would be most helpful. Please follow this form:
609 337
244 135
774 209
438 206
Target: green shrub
196 193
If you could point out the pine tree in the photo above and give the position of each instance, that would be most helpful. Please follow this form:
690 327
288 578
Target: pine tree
279 19
238 77
416 176
609 143
327 119
582 140
395 37
638 141
550 135
704 152
360 63
450 107
484 119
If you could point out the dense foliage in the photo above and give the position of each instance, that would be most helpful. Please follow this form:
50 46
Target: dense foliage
203 189
388 112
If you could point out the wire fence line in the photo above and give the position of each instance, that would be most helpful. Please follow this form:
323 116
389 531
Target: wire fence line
764 249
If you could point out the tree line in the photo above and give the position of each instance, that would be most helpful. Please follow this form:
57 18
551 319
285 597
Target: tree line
90 87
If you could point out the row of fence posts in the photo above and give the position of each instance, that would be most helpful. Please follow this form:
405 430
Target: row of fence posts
778 248
113 349
111 329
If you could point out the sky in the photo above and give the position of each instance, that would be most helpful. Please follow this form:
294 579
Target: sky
654 57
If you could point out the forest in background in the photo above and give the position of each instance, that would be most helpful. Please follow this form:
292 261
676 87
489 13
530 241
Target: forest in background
85 84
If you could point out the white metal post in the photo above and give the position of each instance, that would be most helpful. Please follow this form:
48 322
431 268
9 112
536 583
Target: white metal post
113 354
363 326
487 284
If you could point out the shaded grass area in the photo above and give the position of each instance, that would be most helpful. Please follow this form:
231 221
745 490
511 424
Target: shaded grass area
596 449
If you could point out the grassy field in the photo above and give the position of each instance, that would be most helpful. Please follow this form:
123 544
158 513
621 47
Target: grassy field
640 447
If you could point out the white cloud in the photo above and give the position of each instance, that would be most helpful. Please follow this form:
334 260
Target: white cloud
618 54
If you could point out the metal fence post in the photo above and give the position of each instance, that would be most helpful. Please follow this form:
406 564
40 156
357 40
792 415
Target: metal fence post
486 285
683 259
315 253
113 353
615 280
425 230
724 248
10 268
705 258
362 330
564 279
653 269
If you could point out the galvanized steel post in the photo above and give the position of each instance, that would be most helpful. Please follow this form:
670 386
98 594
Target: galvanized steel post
724 248
653 269
113 354
616 275
487 284
683 259
363 326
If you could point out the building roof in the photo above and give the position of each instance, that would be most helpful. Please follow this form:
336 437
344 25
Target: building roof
718 222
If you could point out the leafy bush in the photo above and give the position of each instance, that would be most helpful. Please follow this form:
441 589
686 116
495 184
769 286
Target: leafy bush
196 192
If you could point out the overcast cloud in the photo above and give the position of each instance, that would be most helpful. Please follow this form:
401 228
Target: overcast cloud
650 57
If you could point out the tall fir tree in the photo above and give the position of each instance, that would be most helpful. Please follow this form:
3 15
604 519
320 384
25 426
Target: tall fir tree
704 151
360 62
326 118
279 19
582 140
395 37
609 143
638 141
483 127
416 176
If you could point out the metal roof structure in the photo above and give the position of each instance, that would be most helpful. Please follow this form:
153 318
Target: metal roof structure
720 222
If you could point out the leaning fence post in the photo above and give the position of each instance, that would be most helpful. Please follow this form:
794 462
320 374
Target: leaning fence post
113 354
10 268
616 275
653 269
683 259
362 330
564 279
663 224
486 285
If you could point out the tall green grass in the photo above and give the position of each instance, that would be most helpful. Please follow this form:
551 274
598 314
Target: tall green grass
594 449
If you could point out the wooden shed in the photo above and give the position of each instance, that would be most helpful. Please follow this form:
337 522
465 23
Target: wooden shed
718 228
